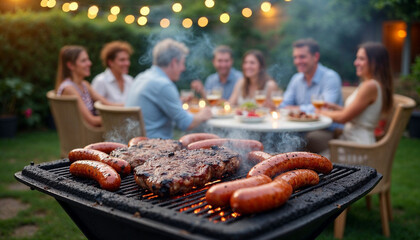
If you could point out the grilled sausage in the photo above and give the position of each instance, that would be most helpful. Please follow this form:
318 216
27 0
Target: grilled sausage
235 144
106 147
219 195
136 140
258 156
289 161
120 165
194 137
105 175
261 198
299 178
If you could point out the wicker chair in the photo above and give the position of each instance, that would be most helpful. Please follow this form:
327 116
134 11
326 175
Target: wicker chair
379 156
73 130
121 123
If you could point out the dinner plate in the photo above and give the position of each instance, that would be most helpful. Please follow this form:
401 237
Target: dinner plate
293 119
229 115
245 119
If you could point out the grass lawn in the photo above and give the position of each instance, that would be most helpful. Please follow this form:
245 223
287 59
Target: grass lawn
52 222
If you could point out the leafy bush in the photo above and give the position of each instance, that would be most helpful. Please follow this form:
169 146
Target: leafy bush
410 85
30 43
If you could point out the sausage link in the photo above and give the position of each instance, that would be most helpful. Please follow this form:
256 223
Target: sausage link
136 140
194 137
235 144
261 198
299 178
258 156
289 161
120 165
219 195
106 147
105 175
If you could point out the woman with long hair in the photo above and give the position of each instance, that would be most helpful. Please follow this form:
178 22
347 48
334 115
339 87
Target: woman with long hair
255 78
373 97
73 67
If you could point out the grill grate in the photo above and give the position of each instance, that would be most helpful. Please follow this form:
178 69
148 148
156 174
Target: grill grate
194 203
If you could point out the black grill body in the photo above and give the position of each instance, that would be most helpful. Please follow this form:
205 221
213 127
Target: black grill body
134 213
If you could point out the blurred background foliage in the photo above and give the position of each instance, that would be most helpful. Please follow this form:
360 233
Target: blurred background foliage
30 38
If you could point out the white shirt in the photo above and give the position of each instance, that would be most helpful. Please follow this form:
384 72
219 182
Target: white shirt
106 85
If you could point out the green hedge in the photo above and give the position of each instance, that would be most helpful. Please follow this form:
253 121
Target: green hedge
30 43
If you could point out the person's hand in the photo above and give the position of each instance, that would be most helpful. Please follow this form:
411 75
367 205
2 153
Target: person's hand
332 106
198 86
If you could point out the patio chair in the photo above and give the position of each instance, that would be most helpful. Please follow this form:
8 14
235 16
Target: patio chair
379 156
121 123
73 130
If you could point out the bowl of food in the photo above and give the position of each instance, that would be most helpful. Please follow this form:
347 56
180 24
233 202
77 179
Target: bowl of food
251 114
299 116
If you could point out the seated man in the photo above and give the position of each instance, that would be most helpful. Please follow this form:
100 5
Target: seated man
312 79
225 78
155 92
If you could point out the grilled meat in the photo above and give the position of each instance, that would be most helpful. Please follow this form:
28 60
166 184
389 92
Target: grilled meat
147 149
178 172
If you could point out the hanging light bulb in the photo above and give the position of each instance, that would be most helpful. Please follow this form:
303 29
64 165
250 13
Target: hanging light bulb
93 10
145 11
129 19
209 3
115 10
164 23
51 3
247 12
73 6
177 7
265 6
202 22
112 18
142 20
187 23
66 7
224 17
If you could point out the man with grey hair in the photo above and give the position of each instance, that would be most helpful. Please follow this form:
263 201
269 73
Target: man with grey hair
155 92
225 77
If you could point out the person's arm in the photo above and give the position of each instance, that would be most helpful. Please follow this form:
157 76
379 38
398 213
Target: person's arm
233 100
332 88
198 86
98 97
202 116
367 95
86 114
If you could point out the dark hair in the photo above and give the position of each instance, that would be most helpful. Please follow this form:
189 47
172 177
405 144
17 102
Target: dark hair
308 42
379 68
68 53
110 51
223 49
263 77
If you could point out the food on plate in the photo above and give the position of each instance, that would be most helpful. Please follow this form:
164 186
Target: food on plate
302 116
299 178
105 147
105 175
181 171
248 106
136 140
219 195
146 149
289 161
261 198
120 165
194 137
240 145
258 156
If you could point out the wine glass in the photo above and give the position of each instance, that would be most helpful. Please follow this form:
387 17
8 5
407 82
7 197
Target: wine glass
277 98
260 97
318 101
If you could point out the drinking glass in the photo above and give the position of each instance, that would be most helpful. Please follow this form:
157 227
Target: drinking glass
214 96
187 95
260 97
318 101
277 98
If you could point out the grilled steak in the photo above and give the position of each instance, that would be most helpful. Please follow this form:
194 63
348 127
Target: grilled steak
151 148
180 171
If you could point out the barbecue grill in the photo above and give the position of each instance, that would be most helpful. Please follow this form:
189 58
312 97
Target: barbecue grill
133 213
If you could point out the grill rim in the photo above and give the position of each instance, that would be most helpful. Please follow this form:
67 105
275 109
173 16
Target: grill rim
39 177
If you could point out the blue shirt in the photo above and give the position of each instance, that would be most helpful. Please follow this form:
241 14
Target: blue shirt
325 82
213 81
159 100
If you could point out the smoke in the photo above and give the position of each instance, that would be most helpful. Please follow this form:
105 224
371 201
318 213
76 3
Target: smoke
122 133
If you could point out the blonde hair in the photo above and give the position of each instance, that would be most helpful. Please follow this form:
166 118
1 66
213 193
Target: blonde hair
68 53
168 49
111 49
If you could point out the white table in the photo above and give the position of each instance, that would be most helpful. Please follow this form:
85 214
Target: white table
270 125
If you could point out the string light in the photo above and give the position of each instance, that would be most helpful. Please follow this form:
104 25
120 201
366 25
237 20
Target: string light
202 22
209 3
265 6
66 7
177 7
402 33
91 16
164 23
115 10
145 11
187 23
112 18
247 12
51 3
44 3
129 19
73 6
93 10
224 18
142 20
